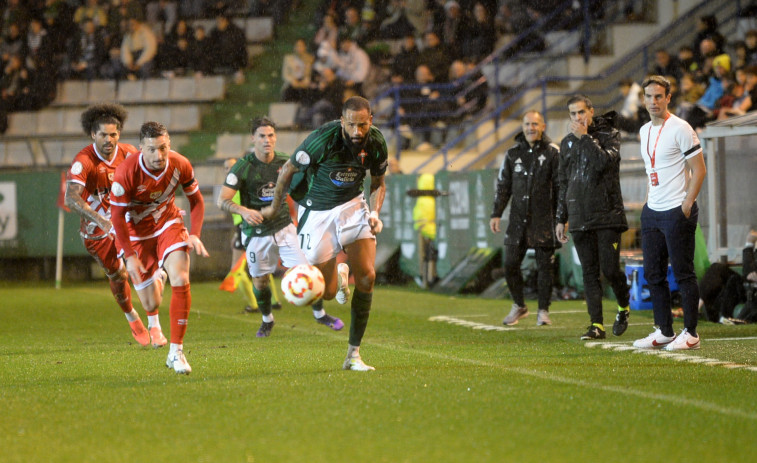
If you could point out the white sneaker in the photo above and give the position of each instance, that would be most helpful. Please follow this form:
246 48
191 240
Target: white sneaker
655 340
684 341
356 364
178 362
343 283
542 317
516 313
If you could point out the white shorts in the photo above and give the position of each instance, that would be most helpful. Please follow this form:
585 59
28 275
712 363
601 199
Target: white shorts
325 233
263 252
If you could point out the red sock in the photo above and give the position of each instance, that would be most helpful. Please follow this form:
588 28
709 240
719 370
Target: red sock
122 292
181 300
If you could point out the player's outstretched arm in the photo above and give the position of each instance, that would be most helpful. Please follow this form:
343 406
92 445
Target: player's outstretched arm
226 203
378 192
76 203
197 214
194 243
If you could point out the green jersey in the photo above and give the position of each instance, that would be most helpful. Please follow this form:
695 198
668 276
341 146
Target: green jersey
333 168
255 181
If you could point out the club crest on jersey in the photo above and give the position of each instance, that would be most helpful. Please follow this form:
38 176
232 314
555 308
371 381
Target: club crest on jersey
265 193
362 156
141 189
344 178
155 195
110 176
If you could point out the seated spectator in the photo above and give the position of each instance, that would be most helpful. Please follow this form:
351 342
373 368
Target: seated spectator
175 50
665 65
119 13
15 13
686 61
86 53
405 62
296 72
353 27
353 64
424 106
161 15
750 43
138 50
707 28
480 41
91 11
39 50
702 111
200 52
14 85
396 25
435 56
629 118
229 46
327 98
740 56
471 90
13 43
737 99
328 32
690 92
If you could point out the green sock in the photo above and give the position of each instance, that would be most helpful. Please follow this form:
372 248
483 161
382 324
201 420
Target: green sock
264 299
361 308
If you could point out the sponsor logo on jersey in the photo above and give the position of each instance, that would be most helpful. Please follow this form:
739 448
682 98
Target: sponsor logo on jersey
141 188
76 168
155 195
117 189
344 178
265 193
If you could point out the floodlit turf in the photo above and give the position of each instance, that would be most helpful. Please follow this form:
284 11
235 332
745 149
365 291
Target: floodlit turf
75 387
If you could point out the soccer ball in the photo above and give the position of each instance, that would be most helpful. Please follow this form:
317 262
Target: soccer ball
303 284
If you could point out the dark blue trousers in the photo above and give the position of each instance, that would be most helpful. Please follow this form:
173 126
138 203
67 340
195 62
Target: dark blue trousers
669 235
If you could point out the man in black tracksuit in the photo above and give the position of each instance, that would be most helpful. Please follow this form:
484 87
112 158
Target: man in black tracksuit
590 198
528 175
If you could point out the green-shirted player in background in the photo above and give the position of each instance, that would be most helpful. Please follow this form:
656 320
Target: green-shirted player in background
266 240
334 215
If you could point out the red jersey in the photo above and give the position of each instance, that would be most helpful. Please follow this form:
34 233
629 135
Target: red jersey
95 174
148 197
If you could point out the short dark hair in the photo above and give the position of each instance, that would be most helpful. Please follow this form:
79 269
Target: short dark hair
356 103
103 113
152 129
263 121
659 80
580 98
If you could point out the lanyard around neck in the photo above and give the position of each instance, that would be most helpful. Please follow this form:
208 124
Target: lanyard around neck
654 150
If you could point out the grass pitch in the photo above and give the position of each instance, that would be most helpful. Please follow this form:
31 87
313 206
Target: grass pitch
451 385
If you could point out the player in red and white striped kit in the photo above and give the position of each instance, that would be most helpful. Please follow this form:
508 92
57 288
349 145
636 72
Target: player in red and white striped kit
150 228
88 185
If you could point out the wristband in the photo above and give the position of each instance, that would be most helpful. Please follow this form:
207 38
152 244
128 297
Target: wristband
374 215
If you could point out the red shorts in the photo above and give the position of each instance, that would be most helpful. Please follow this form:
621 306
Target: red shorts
104 252
153 251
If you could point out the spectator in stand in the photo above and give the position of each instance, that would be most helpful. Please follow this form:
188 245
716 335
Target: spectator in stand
629 118
353 64
191 9
434 55
427 102
138 50
690 92
12 44
707 51
38 47
435 15
91 10
328 32
405 62
14 85
15 13
471 90
118 17
327 98
740 56
229 46
352 26
479 42
665 65
705 106
737 99
707 28
200 52
161 15
396 25
174 52
686 60
750 42
59 23
455 28
86 53
296 72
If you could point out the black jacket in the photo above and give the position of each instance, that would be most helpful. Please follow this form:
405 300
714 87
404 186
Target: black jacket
529 176
590 196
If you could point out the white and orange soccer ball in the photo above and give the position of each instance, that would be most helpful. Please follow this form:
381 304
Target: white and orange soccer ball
303 284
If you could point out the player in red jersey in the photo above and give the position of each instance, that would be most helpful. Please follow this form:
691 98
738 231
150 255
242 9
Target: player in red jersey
150 228
88 184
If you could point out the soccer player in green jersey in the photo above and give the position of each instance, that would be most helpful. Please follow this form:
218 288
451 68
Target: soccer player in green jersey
265 239
333 212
